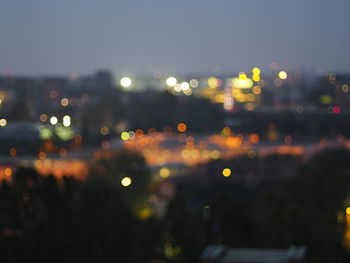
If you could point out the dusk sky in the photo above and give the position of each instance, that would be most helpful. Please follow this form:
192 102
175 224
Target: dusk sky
178 36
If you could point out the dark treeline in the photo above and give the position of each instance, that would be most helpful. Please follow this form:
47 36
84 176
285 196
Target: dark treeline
45 220
271 211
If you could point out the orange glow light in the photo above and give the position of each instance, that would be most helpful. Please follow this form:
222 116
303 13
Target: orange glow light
8 172
182 127
254 138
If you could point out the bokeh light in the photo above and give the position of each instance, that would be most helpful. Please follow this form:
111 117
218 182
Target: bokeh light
126 181
125 82
164 172
256 71
124 136
66 121
171 81
185 86
64 102
53 120
3 122
282 75
226 172
181 127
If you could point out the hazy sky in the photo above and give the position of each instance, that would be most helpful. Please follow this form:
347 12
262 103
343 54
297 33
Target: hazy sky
133 36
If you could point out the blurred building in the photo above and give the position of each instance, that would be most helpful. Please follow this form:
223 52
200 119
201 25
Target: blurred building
103 80
51 91
25 95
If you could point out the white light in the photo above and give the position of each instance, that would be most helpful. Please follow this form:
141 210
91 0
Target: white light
185 86
53 120
171 81
242 83
125 82
66 121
